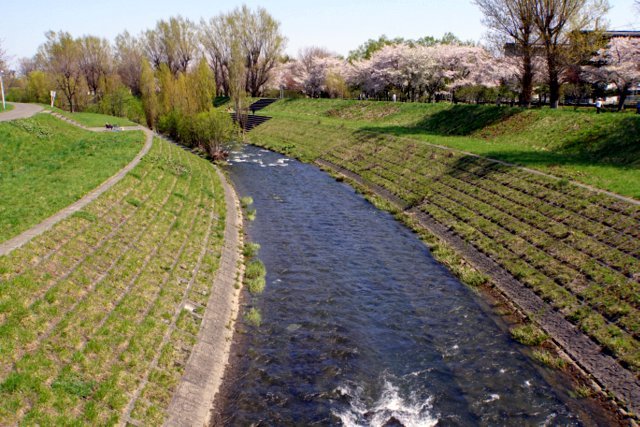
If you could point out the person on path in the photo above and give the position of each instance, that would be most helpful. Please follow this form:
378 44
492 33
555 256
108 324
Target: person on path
598 105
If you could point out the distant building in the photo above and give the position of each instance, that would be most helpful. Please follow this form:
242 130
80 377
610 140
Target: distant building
511 49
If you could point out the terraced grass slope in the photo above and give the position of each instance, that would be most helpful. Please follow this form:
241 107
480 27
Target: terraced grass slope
600 150
99 315
578 250
46 164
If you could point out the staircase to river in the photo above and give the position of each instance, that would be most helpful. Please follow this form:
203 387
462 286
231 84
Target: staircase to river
251 121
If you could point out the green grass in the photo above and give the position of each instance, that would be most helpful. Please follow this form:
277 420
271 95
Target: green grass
46 164
8 107
95 120
599 150
578 250
528 335
100 313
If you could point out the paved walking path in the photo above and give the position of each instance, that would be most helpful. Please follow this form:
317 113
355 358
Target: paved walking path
20 111
193 400
27 110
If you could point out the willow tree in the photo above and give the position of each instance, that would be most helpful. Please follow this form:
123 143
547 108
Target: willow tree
128 60
514 20
148 93
96 61
237 79
259 40
173 42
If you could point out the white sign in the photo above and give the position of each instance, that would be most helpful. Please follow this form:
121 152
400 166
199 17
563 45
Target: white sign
53 97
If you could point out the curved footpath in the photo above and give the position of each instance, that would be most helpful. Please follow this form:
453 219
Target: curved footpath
21 239
20 111
192 402
585 353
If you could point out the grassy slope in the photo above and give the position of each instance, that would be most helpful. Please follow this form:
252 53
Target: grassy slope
94 120
578 250
93 317
598 150
46 164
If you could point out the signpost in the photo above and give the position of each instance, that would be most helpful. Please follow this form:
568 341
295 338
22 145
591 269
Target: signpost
4 107
53 97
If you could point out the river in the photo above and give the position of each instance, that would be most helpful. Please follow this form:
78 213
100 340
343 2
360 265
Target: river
361 326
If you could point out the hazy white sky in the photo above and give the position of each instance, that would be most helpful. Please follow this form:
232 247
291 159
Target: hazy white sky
340 25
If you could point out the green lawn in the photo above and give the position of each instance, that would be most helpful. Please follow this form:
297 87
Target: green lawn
94 120
99 315
9 107
46 164
600 150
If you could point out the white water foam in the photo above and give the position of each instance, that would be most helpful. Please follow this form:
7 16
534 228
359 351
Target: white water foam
391 406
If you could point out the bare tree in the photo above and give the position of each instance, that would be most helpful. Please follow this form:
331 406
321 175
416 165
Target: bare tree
95 61
514 19
3 57
62 53
172 42
263 44
556 21
217 37
259 39
128 56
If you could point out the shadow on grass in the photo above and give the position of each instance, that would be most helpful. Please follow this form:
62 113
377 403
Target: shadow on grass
614 145
463 120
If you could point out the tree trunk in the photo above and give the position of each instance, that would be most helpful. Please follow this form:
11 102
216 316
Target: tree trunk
554 81
527 78
622 96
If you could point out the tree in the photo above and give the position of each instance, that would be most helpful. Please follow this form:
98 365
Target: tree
62 54
213 129
128 57
618 64
38 87
172 42
237 79
95 61
259 40
202 84
148 92
514 19
3 57
556 21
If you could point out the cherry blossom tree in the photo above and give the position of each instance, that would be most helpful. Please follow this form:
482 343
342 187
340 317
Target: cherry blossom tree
425 71
617 64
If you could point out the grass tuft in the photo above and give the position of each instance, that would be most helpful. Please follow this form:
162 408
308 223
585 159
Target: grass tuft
253 317
529 335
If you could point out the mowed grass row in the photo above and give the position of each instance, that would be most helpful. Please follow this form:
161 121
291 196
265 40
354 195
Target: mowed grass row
577 249
46 164
99 315
600 150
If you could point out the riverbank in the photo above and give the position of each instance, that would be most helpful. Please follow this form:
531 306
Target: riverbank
572 251
101 313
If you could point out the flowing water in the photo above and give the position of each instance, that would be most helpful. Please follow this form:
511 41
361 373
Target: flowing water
361 326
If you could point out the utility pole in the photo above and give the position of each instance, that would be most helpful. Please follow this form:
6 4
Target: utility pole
4 107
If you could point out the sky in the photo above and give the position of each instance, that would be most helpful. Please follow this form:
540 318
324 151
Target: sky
339 25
